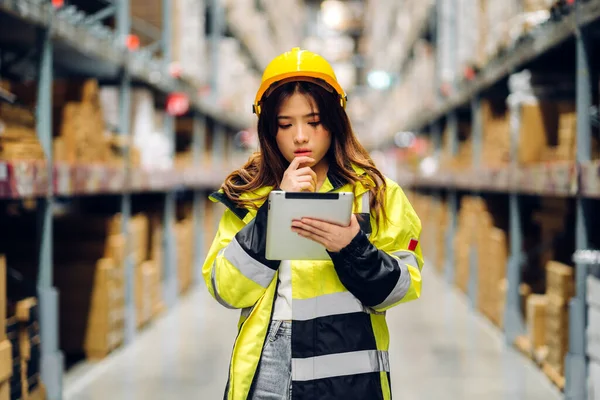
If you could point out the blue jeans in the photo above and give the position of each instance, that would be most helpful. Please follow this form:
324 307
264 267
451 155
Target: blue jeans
274 379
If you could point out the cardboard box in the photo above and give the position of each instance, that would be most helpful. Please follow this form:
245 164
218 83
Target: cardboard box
6 360
536 320
5 391
560 281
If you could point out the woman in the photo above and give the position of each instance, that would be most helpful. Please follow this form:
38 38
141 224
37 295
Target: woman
314 329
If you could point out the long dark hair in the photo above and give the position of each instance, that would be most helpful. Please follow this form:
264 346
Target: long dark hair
266 167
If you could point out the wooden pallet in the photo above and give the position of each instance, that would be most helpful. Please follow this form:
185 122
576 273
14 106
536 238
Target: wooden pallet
523 344
38 393
554 375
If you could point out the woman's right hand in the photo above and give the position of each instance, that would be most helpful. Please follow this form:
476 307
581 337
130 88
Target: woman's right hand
297 179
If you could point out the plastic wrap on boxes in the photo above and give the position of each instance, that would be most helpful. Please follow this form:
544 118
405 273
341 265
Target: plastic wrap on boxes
593 291
593 333
594 380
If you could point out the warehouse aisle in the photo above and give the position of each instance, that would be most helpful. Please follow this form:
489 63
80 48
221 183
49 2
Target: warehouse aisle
440 350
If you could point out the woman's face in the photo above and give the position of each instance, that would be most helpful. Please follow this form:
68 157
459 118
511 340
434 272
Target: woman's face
300 131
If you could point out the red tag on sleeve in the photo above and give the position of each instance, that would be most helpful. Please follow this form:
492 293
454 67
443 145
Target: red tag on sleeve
412 245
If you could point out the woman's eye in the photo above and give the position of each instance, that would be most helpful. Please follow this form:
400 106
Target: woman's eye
285 126
315 124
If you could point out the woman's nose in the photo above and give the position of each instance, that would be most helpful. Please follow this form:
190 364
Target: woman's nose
300 136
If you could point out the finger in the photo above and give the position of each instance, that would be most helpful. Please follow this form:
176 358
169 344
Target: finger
314 176
296 224
307 186
316 226
300 160
312 236
305 171
304 178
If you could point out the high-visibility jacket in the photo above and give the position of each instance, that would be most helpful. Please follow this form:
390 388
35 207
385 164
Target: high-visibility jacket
340 337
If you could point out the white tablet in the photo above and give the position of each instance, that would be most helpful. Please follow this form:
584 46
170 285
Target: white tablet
284 207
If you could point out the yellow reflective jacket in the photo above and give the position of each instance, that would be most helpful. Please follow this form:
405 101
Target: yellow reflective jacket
340 337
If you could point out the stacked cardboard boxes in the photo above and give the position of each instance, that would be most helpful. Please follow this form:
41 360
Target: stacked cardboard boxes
147 269
440 236
492 265
547 132
563 146
20 346
496 134
81 133
184 232
464 242
463 159
105 323
157 257
434 220
560 289
481 242
18 138
145 291
536 318
90 275
29 344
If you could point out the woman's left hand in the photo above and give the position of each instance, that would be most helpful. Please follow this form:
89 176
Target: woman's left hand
333 237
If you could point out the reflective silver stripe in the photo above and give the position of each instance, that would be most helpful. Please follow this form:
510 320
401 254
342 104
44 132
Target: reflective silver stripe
248 266
366 207
213 280
403 284
246 312
322 306
341 364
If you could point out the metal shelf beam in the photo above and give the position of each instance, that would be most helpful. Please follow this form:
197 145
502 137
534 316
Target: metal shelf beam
123 23
171 287
476 135
51 363
576 363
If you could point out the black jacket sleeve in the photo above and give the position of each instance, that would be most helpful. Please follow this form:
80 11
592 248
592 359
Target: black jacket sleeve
368 273
253 238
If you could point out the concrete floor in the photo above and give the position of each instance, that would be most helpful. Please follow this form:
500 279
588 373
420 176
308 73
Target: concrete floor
440 350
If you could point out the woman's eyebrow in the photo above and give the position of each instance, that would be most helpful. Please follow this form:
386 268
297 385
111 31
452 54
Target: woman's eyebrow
314 114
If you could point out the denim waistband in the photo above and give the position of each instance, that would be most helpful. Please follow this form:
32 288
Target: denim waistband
281 326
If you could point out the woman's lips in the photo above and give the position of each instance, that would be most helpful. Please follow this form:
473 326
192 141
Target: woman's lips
301 153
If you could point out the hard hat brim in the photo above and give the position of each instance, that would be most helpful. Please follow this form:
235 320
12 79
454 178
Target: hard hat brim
289 77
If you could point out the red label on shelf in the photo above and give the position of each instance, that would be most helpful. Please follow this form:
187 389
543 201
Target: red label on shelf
175 70
133 42
469 73
177 104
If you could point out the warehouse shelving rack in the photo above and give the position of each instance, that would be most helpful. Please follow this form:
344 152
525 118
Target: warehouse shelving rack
78 35
579 179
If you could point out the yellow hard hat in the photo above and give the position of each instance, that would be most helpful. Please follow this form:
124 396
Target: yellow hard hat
297 65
